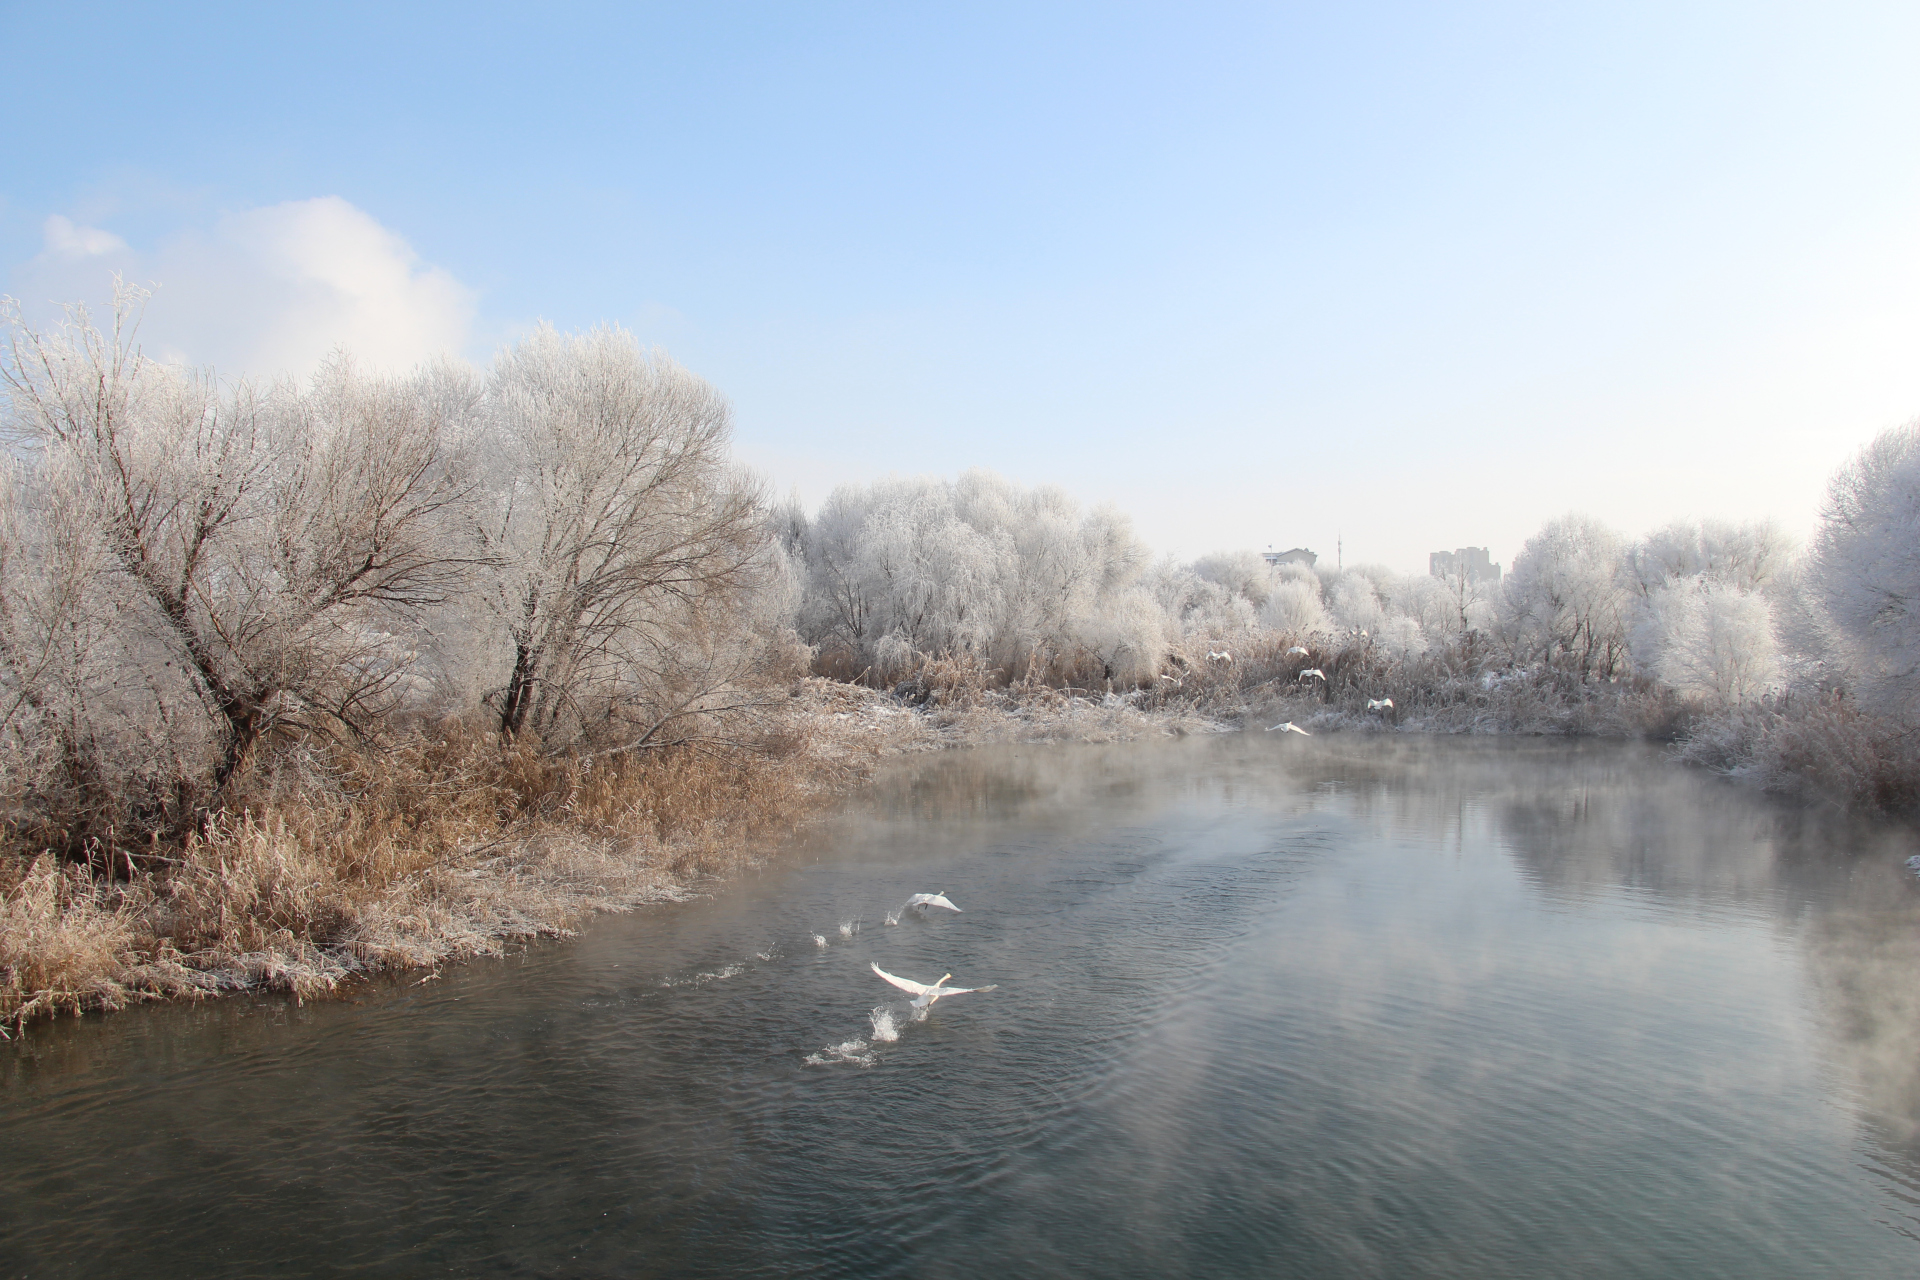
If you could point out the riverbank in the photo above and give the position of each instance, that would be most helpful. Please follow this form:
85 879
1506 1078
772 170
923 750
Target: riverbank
341 867
442 849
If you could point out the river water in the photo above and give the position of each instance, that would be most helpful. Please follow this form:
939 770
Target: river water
1340 1006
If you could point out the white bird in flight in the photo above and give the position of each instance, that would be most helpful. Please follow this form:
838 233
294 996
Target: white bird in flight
1314 673
1379 704
922 901
1288 726
924 995
1220 656
1296 649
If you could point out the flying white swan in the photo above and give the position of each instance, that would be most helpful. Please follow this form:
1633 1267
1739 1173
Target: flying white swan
1379 704
1220 656
1288 726
1296 650
924 900
924 995
1314 673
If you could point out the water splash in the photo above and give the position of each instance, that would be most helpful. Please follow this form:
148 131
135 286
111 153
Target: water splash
893 917
819 941
694 980
885 1029
847 1052
849 927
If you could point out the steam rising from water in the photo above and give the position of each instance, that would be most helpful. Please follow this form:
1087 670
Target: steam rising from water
1445 1007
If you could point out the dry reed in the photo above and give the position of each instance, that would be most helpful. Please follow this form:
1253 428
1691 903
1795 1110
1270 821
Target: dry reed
332 862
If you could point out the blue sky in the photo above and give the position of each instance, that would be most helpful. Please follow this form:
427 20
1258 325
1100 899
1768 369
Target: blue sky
1409 276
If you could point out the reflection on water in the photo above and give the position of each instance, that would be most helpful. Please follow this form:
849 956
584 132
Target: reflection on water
1338 1007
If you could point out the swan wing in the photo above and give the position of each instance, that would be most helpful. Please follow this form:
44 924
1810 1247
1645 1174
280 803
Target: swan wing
967 991
905 984
931 900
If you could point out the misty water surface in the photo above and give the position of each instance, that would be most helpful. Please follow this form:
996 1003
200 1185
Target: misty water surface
1327 1007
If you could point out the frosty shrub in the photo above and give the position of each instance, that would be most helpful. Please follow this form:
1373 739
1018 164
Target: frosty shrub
1355 604
1707 639
1294 607
1563 603
1432 603
1866 564
1400 636
1129 636
1748 557
1018 580
1242 572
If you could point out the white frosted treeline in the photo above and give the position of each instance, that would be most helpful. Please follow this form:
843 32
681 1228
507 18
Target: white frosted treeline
1016 578
559 547
1022 582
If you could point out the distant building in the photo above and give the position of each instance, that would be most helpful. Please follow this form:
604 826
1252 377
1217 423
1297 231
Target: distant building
1299 555
1472 562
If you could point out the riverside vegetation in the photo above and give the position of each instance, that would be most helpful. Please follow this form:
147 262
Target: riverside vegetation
305 682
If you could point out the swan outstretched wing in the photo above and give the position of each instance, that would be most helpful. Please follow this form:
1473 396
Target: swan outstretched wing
931 900
906 984
968 991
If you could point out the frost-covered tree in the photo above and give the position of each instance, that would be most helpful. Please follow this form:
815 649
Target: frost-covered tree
1293 607
894 571
1354 602
1749 557
1436 604
1199 612
1243 572
1129 636
1866 566
268 549
622 540
1564 600
1707 639
1010 577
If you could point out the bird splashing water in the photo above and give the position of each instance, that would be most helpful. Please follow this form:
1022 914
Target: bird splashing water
924 995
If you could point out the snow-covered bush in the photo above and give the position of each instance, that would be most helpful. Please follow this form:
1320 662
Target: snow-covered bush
1294 607
1866 567
1564 602
1707 639
1354 603
1245 573
978 567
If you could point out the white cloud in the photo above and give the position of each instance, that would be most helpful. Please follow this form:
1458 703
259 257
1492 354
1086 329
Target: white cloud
267 290
65 240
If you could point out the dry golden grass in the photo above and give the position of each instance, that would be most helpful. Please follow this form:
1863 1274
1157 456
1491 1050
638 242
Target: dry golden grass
335 863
